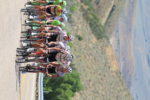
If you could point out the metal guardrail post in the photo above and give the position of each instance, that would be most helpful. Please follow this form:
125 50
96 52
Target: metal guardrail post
40 87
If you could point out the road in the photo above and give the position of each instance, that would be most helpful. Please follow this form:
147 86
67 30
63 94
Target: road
10 28
28 86
132 36
140 87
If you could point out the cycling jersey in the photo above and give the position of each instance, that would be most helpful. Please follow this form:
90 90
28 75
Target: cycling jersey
51 70
56 12
58 45
54 22
57 55
56 2
52 38
34 27
61 37
61 58
35 3
56 70
52 55
49 10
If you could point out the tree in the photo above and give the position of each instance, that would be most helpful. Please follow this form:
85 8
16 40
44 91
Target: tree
62 88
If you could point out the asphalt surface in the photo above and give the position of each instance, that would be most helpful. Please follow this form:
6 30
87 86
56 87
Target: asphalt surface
28 86
132 39
10 28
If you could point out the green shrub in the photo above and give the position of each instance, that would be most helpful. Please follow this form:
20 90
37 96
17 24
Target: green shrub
79 37
94 22
70 44
73 8
86 2
62 88
68 33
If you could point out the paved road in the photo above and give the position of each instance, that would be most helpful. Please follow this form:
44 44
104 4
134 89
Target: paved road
10 28
132 36
28 86
122 41
140 87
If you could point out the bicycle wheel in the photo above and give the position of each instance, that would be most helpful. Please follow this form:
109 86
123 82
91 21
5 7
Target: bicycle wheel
20 60
23 69
33 69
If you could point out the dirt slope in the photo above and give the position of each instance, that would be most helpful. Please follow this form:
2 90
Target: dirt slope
95 60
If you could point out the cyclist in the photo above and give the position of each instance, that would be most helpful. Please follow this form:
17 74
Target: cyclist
52 36
54 55
60 36
57 71
48 2
46 28
49 45
49 10
51 70
48 22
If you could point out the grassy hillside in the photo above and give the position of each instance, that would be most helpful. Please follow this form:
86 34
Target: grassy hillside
94 58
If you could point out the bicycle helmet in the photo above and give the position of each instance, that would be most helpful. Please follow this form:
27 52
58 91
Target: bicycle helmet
68 48
64 17
62 25
59 10
55 22
71 37
64 3
65 11
28 66
69 69
69 57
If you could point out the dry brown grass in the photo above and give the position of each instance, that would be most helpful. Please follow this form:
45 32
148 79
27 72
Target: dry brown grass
95 60
111 59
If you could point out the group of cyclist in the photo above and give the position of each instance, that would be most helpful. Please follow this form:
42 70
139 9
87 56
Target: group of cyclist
45 43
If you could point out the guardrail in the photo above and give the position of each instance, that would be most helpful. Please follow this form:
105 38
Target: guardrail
40 87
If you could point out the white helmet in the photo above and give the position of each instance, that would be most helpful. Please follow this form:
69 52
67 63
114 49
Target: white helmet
69 57
65 11
68 48
69 69
71 37
65 18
